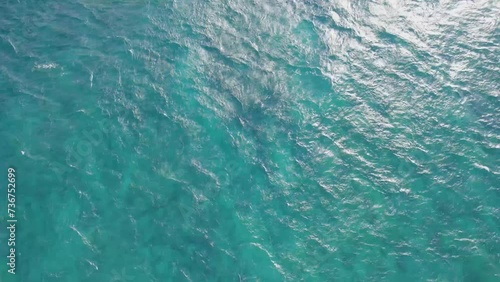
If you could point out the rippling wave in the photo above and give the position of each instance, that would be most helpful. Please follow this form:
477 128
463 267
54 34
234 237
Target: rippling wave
253 141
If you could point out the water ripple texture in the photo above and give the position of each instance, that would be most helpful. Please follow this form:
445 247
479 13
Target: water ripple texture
252 140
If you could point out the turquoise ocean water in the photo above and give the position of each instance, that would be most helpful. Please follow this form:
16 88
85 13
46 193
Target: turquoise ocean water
251 140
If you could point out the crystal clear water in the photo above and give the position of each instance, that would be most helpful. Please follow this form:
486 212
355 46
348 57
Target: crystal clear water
251 140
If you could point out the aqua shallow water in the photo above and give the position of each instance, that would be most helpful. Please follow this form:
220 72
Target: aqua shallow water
252 141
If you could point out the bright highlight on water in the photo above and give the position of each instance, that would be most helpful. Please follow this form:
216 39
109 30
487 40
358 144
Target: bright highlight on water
250 140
